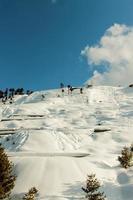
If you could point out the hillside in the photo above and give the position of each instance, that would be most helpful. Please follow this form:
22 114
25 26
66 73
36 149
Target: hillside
54 141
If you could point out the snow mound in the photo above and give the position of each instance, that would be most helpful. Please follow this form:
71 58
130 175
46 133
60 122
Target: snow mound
14 142
36 97
127 90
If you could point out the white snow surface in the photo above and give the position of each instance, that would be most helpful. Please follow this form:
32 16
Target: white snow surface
53 145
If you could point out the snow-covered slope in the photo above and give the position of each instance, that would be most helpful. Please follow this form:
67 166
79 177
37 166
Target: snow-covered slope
53 143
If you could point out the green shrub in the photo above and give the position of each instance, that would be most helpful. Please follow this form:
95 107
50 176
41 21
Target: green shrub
126 157
31 194
91 189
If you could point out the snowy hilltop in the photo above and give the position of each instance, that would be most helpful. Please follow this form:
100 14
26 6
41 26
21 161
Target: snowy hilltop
55 139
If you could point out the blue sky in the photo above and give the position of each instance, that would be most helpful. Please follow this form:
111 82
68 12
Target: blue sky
41 40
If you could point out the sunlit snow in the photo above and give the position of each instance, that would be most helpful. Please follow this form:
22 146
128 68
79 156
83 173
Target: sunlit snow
53 143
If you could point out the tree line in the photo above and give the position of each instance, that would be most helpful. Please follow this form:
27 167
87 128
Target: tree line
10 92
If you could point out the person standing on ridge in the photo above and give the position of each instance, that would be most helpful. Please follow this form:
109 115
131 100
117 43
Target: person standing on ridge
62 88
69 86
81 90
71 89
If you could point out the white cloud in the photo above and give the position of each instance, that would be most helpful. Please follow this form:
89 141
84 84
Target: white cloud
115 51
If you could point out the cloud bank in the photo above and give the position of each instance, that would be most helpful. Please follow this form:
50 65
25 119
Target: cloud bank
115 51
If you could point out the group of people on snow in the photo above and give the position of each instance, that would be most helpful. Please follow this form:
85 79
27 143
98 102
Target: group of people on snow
70 88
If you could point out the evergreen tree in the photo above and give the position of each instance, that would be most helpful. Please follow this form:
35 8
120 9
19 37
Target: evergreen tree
126 157
7 178
91 189
31 194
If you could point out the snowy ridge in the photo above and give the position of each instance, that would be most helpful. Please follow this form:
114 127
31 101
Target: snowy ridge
54 144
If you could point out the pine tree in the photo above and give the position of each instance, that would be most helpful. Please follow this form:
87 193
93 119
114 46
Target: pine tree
91 190
31 194
7 178
126 157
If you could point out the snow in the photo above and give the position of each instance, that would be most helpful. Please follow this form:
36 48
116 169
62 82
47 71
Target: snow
53 145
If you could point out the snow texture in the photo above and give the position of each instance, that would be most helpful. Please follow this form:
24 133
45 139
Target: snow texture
53 145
